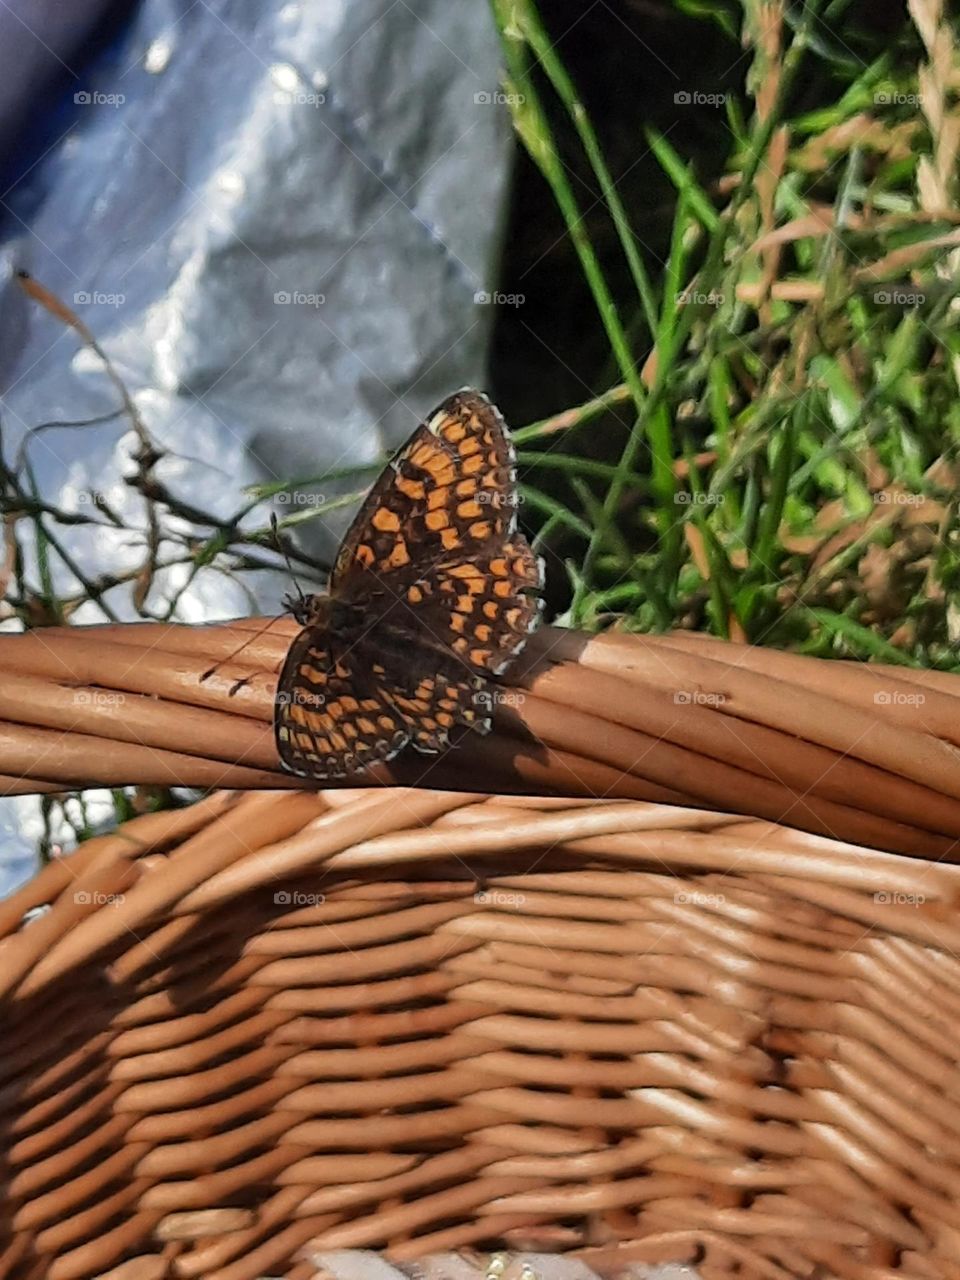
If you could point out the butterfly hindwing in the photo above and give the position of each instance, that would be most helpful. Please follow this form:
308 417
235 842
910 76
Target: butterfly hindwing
331 719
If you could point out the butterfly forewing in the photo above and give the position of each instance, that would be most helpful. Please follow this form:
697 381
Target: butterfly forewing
433 591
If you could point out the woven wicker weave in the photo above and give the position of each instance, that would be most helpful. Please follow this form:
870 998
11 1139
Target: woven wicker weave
273 1026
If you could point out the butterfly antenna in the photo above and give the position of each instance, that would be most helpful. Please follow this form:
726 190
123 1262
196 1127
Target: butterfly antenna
297 605
300 602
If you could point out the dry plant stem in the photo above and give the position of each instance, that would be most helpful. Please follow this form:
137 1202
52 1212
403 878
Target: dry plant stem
670 720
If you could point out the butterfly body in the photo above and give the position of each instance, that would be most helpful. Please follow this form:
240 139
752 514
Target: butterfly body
433 593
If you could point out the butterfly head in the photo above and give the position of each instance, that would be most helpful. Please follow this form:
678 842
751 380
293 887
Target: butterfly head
308 610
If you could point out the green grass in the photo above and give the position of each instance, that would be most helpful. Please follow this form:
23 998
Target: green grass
790 473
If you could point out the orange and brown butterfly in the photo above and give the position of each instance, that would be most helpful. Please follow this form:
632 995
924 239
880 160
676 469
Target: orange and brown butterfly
433 592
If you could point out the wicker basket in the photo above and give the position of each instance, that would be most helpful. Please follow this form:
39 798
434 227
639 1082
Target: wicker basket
273 1026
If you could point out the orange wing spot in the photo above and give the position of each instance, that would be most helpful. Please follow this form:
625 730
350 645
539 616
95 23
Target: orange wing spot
414 595
423 455
512 617
335 710
490 608
296 713
469 510
366 726
312 674
472 465
482 632
436 521
502 589
364 555
449 539
437 498
369 704
451 692
464 571
444 719
387 723
499 568
481 530
457 622
454 431
385 520
322 745
411 488
398 557
460 644
349 704
304 741
470 447
520 567
340 671
339 741
428 723
349 730
464 604
466 488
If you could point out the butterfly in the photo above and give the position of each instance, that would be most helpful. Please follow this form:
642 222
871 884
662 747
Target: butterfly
433 593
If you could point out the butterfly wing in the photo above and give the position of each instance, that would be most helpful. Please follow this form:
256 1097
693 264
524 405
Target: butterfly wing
439 591
448 492
331 719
